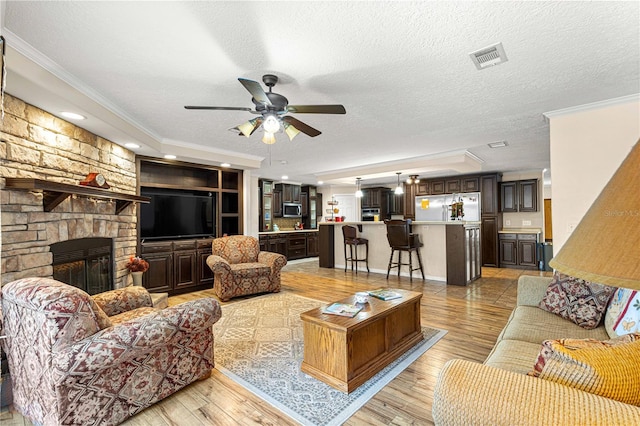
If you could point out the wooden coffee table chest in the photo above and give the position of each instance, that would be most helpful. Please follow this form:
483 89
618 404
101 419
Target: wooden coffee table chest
346 352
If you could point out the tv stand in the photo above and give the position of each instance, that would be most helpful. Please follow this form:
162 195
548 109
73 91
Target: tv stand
177 266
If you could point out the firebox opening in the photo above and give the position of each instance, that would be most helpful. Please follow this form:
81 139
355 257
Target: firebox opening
86 263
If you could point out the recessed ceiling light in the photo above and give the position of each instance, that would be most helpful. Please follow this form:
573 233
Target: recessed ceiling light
500 144
285 177
320 182
225 165
170 157
131 145
72 115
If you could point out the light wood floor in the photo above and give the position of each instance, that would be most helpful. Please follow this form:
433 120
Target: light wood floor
473 315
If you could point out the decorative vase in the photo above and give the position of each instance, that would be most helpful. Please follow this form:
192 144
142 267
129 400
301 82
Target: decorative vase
137 278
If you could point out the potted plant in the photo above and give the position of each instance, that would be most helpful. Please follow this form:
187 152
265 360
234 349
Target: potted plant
137 266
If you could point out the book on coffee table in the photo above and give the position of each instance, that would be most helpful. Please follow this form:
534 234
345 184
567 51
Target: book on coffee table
385 294
343 309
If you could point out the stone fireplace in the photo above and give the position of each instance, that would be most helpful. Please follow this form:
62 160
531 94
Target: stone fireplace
36 144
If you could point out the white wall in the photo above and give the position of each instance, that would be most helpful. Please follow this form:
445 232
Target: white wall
346 196
586 147
251 200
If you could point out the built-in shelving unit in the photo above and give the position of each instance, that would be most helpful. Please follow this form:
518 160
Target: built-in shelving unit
180 265
55 193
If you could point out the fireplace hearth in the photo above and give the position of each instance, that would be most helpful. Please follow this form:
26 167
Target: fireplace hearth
86 263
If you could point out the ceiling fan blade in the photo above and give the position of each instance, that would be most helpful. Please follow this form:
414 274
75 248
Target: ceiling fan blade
218 108
304 128
256 90
317 109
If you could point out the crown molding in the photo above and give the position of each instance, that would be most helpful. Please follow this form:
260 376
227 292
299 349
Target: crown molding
591 106
36 57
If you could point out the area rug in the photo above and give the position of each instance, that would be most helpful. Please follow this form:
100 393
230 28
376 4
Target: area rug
259 344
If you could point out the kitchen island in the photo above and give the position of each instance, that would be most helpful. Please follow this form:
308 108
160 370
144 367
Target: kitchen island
450 251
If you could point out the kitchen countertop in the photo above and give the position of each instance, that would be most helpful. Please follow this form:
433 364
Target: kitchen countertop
520 231
413 222
286 231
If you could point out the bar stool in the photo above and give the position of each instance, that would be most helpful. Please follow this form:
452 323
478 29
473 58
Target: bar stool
351 239
401 239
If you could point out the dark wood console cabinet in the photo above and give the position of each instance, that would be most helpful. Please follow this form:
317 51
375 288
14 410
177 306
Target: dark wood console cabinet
177 266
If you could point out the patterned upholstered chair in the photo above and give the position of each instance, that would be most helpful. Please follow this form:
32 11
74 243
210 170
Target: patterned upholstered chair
77 360
240 268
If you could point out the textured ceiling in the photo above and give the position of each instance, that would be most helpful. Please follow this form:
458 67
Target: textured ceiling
415 102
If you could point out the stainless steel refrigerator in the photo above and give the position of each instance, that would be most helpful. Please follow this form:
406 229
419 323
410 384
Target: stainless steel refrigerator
438 207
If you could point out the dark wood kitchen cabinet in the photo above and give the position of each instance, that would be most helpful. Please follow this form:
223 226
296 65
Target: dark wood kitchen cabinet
304 199
276 205
278 244
371 198
312 244
519 196
422 188
437 187
409 201
490 218
296 246
518 251
470 184
290 193
452 186
463 254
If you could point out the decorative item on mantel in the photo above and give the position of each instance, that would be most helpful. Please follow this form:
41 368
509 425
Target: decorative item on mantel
96 180
137 266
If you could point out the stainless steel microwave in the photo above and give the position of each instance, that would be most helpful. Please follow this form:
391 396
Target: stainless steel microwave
291 210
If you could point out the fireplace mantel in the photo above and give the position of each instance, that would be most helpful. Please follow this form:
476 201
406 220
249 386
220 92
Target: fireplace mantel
56 192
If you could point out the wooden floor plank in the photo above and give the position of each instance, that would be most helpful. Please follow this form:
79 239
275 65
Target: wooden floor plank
473 315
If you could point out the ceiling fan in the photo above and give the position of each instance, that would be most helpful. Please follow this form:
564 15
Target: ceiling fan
272 108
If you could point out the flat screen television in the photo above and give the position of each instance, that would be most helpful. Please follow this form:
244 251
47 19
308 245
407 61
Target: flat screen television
173 214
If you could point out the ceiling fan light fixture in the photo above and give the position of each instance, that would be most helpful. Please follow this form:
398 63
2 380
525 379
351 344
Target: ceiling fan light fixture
248 127
291 131
268 138
413 179
271 124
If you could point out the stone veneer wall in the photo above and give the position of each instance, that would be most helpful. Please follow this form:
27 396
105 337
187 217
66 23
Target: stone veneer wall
36 144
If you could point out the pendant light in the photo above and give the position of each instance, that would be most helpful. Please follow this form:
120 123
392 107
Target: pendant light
358 190
399 190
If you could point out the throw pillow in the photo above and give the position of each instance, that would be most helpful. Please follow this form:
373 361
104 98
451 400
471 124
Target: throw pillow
579 301
609 368
623 314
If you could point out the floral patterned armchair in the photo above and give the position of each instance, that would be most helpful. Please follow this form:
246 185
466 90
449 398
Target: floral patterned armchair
240 268
80 360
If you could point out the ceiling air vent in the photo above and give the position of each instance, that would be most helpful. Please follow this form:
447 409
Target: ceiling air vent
489 56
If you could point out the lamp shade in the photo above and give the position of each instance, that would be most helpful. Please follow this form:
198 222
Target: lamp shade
605 246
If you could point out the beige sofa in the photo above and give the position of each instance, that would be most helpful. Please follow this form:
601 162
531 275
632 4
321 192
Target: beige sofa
498 392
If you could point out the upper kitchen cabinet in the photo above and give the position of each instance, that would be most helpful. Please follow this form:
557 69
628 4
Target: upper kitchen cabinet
290 193
519 196
276 204
422 188
470 183
372 197
489 194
